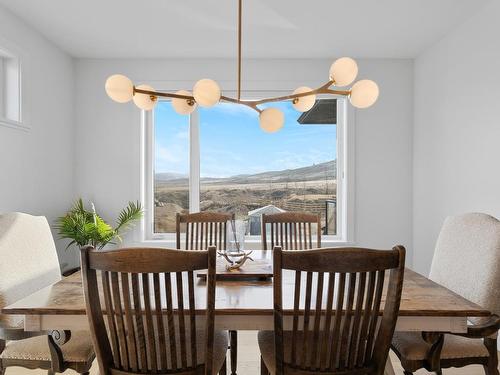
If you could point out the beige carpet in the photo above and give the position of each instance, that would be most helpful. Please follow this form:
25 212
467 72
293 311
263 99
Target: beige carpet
249 362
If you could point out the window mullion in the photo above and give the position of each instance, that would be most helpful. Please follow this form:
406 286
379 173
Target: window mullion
2 87
194 162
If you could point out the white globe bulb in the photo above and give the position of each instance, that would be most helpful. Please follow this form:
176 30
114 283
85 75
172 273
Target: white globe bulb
304 103
343 71
364 93
119 88
271 120
144 101
183 106
206 92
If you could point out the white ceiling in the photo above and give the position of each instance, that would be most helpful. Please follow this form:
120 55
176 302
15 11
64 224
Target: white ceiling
272 28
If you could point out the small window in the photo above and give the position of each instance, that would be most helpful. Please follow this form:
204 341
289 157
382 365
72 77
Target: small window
10 88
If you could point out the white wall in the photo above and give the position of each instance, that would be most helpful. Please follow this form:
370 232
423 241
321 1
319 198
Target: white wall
427 149
36 165
108 134
457 128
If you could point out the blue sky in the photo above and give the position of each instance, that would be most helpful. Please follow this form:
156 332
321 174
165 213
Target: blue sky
232 142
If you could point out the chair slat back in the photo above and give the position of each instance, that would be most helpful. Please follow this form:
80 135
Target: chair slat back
202 229
149 322
291 231
338 324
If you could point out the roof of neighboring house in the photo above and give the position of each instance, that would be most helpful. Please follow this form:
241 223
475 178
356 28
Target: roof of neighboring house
323 112
269 209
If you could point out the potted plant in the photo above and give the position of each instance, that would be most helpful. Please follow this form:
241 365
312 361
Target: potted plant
85 227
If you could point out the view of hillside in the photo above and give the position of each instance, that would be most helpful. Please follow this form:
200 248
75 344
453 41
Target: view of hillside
303 189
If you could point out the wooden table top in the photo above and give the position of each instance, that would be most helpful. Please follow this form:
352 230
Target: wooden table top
421 297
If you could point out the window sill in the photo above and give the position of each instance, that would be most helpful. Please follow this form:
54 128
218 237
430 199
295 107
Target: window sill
252 244
14 124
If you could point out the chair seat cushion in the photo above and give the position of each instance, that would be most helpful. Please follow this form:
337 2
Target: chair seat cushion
78 349
411 346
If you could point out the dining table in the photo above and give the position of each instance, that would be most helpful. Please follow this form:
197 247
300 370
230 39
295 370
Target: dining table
245 303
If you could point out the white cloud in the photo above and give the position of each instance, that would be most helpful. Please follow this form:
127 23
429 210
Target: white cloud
171 159
166 155
291 160
182 135
221 156
234 109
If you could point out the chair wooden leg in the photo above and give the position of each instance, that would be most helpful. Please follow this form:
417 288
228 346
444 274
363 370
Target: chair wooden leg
50 372
492 367
223 370
263 368
2 347
233 342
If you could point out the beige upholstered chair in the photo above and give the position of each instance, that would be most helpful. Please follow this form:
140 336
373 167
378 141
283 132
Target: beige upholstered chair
28 262
466 261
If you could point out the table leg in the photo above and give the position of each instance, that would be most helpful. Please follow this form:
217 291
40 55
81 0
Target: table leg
389 370
233 344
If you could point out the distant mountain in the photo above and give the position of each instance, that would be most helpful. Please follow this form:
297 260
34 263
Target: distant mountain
313 172
321 171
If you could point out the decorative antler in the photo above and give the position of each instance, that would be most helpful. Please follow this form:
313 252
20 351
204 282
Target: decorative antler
235 264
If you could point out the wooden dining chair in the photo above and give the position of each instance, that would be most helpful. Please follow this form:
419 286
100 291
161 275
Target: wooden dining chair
201 230
291 230
466 261
334 321
151 323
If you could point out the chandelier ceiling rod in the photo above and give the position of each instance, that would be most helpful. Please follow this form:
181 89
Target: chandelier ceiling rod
239 48
324 89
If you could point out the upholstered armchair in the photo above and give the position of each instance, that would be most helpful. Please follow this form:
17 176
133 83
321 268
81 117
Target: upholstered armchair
28 262
466 261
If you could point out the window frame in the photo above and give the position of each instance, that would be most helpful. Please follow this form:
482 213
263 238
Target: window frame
345 175
8 49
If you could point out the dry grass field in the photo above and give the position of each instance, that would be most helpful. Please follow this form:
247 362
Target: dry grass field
300 189
239 197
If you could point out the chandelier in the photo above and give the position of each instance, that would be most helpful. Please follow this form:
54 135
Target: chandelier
207 93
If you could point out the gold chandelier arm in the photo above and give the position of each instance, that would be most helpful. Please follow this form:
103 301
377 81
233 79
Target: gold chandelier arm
336 92
324 89
248 103
326 85
320 90
162 94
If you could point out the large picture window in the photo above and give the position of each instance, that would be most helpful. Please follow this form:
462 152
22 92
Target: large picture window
219 159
